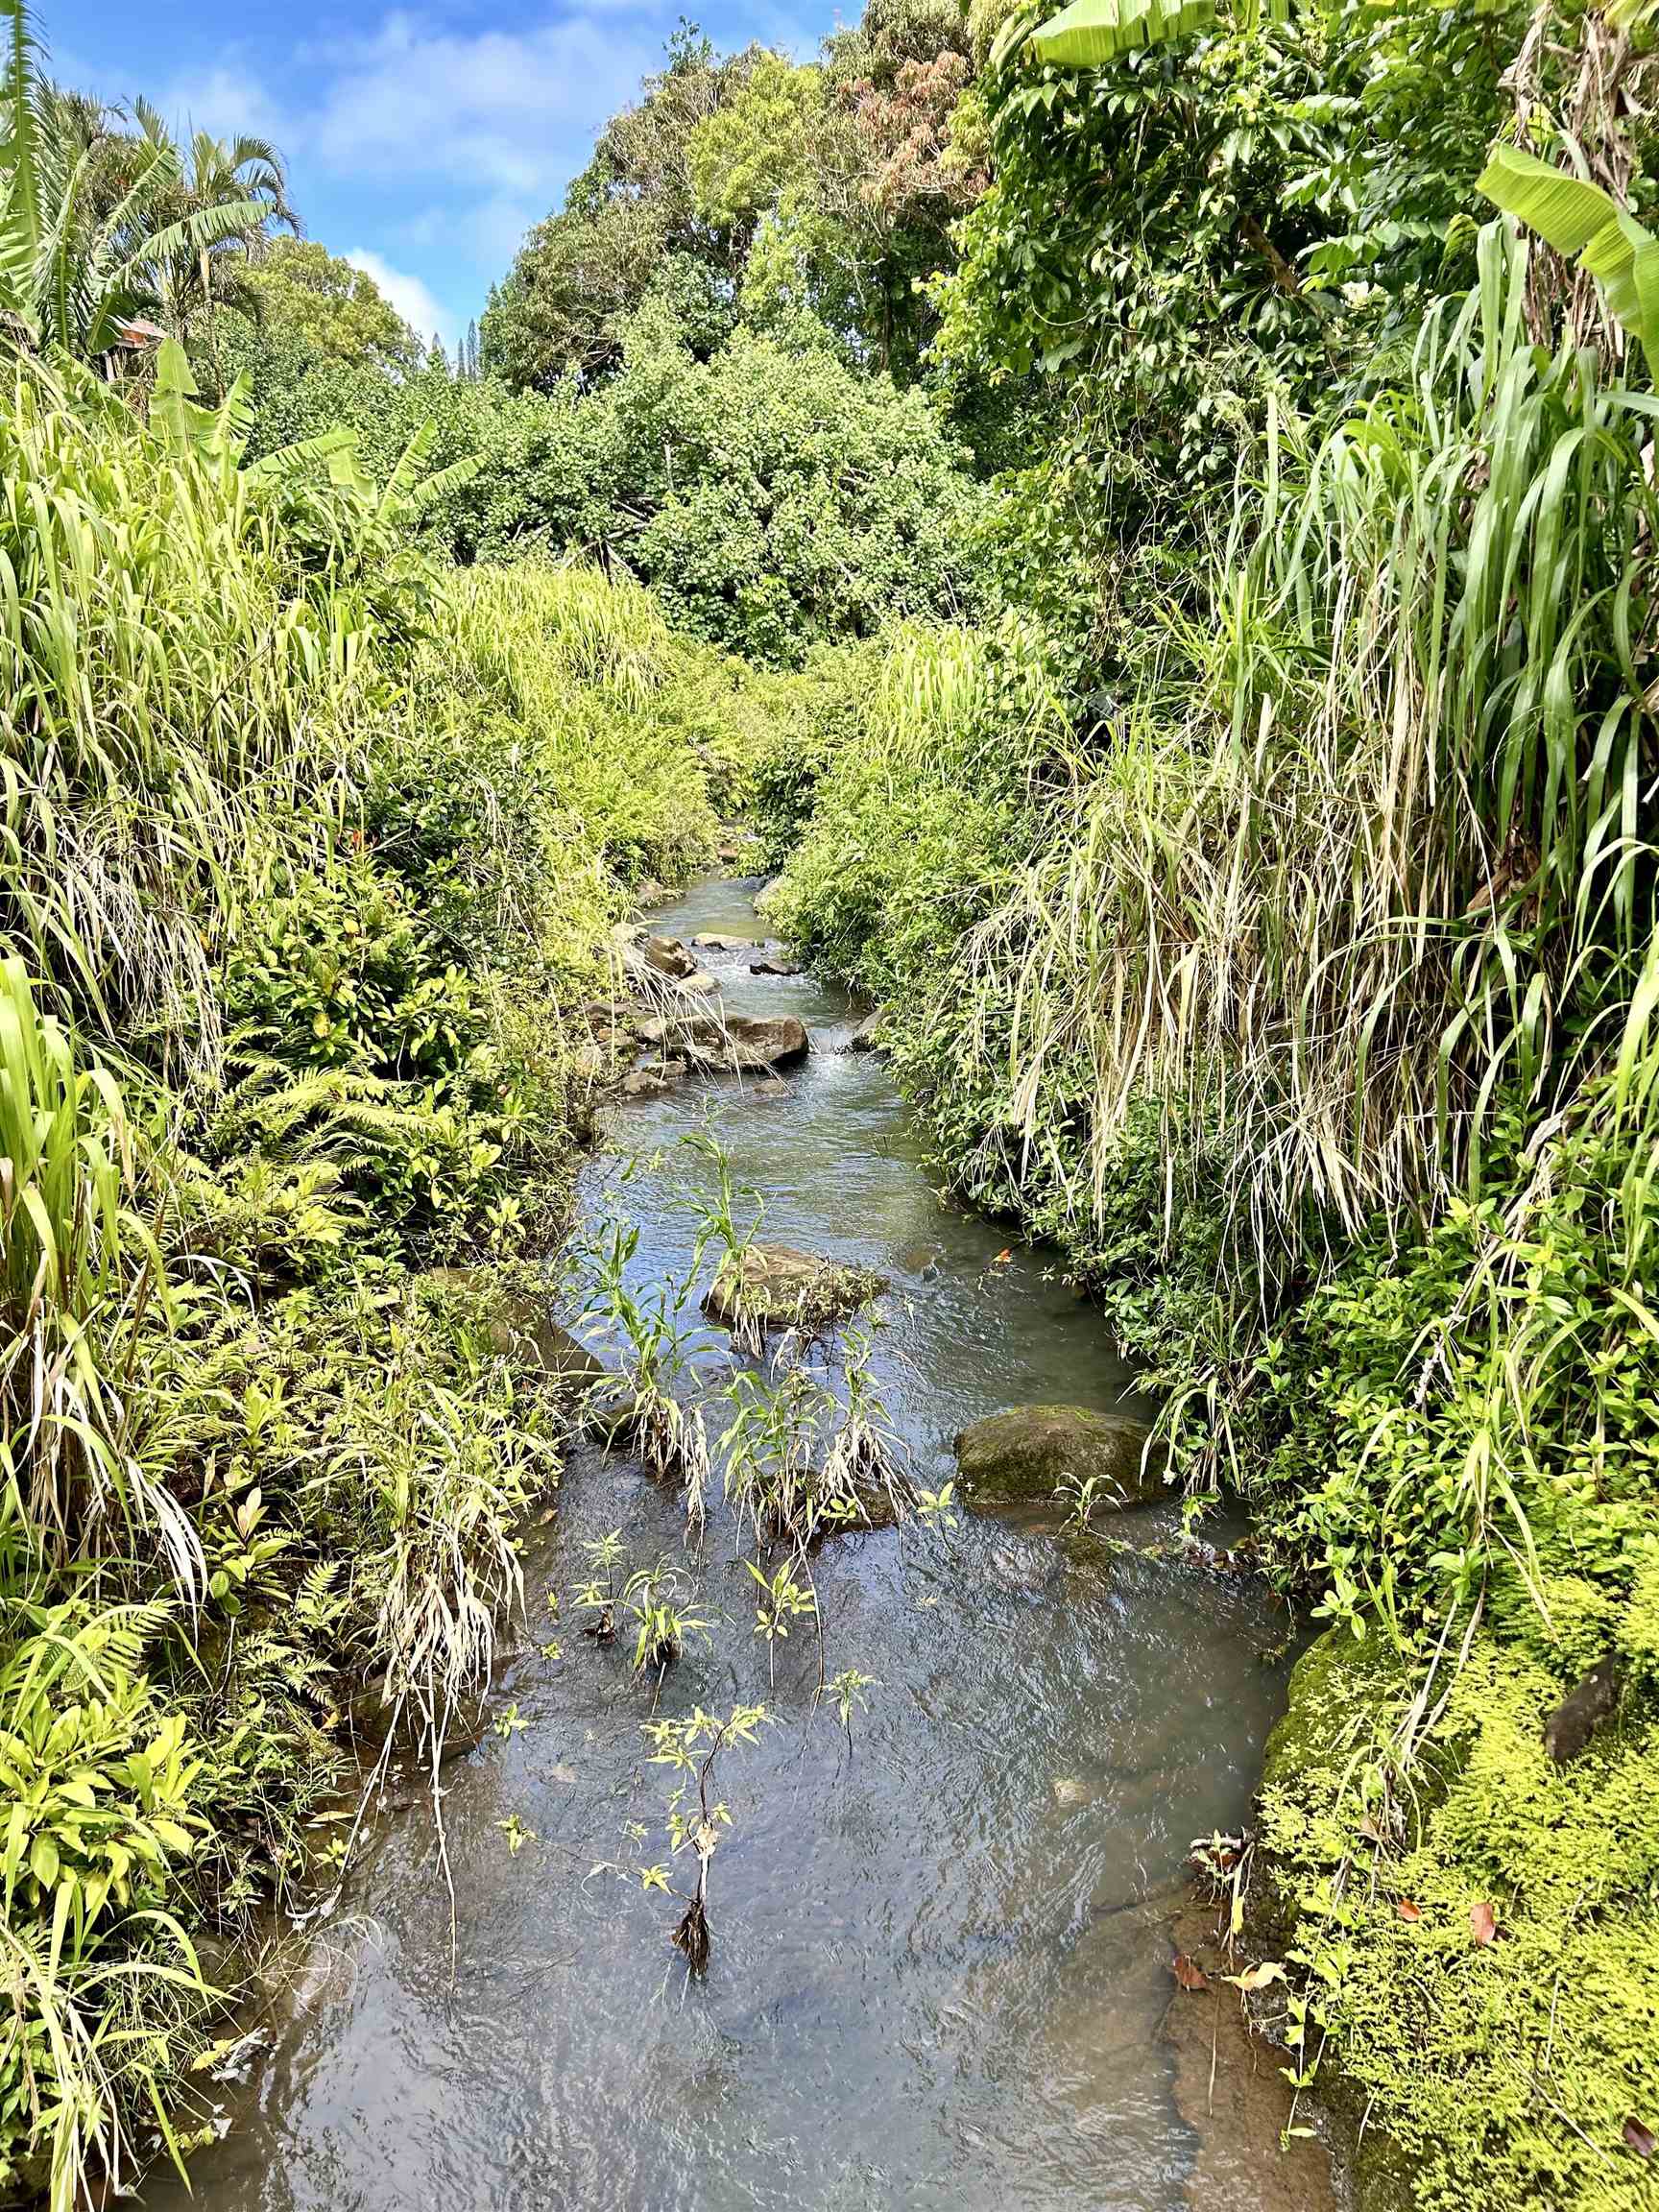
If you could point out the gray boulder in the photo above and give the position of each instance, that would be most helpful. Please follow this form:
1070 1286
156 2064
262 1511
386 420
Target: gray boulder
747 1044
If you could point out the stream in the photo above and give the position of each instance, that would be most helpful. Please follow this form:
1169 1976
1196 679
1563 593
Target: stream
940 1962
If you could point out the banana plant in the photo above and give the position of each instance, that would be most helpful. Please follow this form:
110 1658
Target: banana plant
1585 224
1089 33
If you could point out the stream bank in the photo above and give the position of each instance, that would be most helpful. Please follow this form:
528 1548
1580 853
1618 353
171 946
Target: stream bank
942 1965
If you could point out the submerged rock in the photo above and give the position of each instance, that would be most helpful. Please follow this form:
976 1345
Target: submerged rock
1024 1455
775 1287
652 1079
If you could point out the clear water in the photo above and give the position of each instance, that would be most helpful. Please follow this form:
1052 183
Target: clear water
940 1964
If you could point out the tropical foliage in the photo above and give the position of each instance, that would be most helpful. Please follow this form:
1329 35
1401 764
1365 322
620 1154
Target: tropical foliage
1285 952
1196 464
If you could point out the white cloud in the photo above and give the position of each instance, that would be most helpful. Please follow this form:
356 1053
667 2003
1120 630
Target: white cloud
226 100
441 142
425 315
499 114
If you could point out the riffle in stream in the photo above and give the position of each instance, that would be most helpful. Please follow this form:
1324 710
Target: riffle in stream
940 1964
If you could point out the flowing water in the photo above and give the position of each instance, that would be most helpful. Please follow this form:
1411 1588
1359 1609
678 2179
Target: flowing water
940 1964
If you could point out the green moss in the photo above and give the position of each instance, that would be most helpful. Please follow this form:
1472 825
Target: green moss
1506 2071
1337 1679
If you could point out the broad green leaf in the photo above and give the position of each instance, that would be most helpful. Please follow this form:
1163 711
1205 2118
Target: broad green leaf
1091 32
1579 219
1566 212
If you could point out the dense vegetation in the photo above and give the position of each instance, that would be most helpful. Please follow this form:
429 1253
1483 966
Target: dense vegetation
1212 557
1263 910
304 847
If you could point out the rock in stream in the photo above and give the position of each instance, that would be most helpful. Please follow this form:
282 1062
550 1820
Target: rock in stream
1024 1456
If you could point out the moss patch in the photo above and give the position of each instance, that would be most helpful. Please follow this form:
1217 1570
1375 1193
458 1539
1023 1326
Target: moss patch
1509 2071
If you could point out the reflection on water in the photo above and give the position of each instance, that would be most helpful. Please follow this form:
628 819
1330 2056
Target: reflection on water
939 1962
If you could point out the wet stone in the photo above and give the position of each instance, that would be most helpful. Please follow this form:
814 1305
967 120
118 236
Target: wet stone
749 1044
775 1287
1029 1453
667 956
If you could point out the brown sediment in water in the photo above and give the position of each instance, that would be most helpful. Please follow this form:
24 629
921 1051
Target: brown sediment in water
1231 2091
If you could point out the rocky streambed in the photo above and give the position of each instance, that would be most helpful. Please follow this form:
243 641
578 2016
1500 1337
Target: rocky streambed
945 1972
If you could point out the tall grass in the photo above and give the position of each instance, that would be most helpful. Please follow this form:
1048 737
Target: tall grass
172 678
1372 847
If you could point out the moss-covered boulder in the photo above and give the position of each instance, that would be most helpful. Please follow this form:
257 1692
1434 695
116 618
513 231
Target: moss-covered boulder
1024 1455
769 1287
1337 1677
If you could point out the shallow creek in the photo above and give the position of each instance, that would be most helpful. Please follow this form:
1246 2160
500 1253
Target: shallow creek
940 1966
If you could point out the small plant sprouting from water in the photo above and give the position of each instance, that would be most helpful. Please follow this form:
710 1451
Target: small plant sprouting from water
782 1601
652 1596
937 1508
652 1600
693 1748
863 1459
770 1448
652 1341
718 1227
847 1690
597 1597
1077 1494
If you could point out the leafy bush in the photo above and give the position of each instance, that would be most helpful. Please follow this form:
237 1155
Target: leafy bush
773 496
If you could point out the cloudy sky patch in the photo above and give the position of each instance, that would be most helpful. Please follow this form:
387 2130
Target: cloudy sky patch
420 144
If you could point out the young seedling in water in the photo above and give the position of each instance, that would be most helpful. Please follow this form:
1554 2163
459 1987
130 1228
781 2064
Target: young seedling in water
691 1749
769 1446
1077 1493
782 1601
863 1453
937 1508
717 1227
847 1690
668 1434
662 1630
597 1595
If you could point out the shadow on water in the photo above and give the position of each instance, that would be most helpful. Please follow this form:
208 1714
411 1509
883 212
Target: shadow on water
941 1963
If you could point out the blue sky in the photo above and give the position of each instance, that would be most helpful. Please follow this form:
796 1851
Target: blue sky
421 144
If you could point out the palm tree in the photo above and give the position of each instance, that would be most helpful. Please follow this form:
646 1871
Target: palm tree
219 173
85 226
